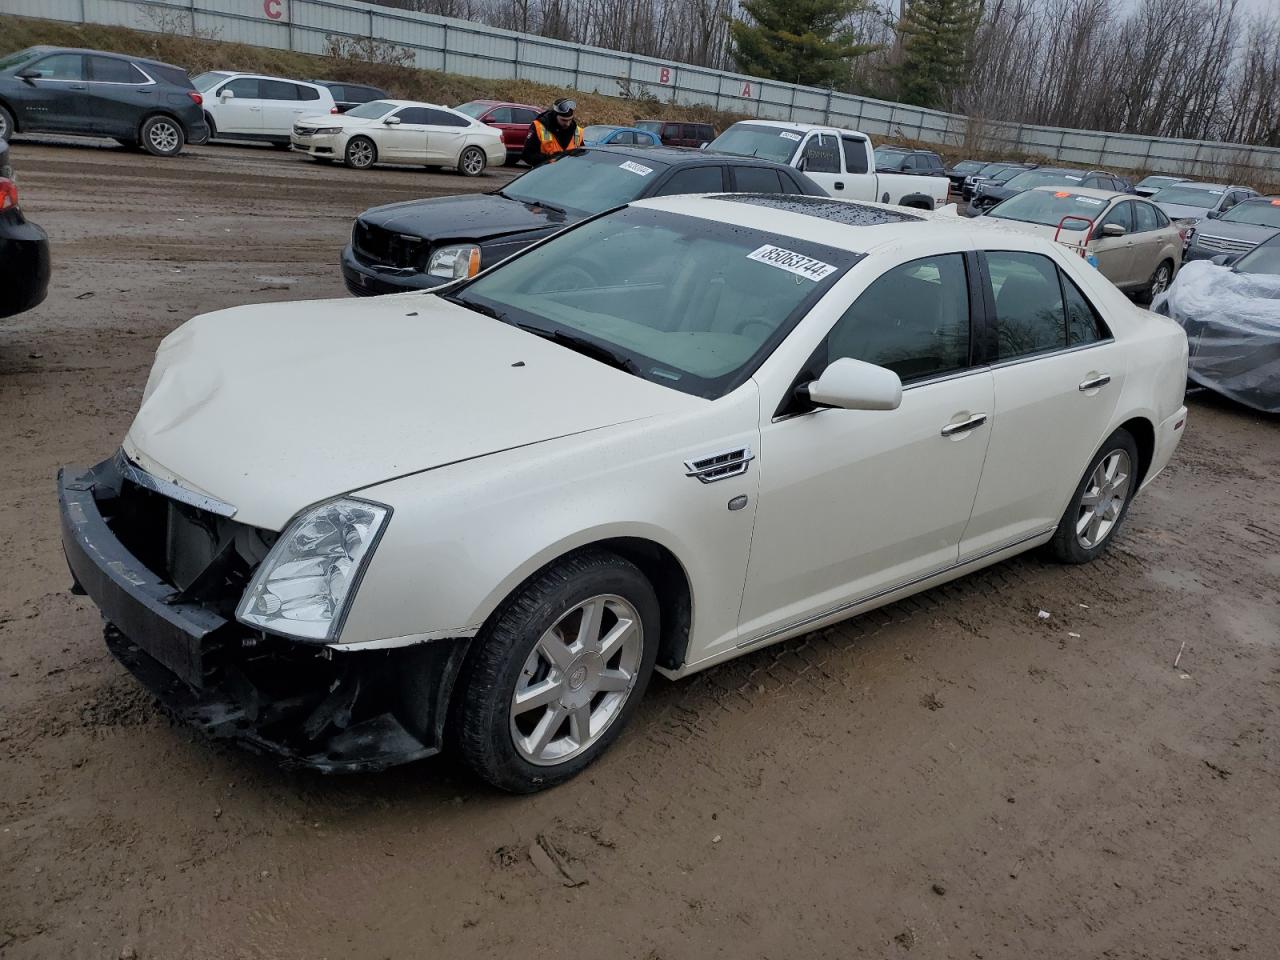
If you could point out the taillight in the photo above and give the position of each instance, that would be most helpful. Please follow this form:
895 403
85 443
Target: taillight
333 110
8 193
196 98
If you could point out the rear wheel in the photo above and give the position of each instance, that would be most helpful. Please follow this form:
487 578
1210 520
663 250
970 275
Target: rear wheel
1100 502
360 153
557 672
1160 281
6 124
162 136
472 162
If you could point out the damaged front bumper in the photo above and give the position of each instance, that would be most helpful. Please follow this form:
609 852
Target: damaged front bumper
312 706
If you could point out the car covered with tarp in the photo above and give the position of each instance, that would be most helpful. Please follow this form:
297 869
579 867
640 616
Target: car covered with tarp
1231 313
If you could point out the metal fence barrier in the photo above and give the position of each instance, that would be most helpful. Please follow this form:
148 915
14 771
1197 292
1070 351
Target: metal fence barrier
456 46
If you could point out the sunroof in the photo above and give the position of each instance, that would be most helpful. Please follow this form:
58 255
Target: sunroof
838 211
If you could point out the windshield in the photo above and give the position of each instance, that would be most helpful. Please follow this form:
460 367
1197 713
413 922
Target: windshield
16 59
1049 207
652 126
371 110
990 169
748 140
968 166
1028 179
597 131
1259 213
688 303
1188 197
1158 182
207 81
586 181
1264 258
474 108
1004 176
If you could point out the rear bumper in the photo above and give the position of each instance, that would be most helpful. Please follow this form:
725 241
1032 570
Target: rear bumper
1168 434
336 712
198 131
363 280
24 264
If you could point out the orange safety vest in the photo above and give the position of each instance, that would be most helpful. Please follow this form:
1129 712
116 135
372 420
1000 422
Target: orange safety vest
548 143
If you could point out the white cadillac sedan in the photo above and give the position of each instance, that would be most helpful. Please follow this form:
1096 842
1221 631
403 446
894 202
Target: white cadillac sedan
404 132
355 533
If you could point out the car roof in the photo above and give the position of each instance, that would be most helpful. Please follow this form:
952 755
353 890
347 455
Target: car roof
266 76
344 83
686 156
1198 185
47 48
701 123
1088 192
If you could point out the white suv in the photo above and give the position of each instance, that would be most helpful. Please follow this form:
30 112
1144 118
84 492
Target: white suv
247 106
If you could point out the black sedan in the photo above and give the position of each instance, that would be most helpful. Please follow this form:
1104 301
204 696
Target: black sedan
24 249
421 244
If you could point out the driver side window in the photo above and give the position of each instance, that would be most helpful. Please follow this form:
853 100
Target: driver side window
821 155
914 320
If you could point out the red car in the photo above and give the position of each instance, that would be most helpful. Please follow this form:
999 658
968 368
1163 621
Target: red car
512 119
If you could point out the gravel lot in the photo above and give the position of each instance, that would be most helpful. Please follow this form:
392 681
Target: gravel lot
951 777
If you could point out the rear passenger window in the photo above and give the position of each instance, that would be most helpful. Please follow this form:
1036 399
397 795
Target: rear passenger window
914 319
111 70
308 93
708 179
1029 310
522 116
278 90
757 180
821 155
442 118
855 155
1084 325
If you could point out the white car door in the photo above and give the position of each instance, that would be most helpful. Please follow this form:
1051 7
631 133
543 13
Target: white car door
236 106
283 103
446 136
405 141
821 158
853 504
1058 375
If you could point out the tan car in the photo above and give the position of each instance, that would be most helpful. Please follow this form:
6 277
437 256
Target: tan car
1131 241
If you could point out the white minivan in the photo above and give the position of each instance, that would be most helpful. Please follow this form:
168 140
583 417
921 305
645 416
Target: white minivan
247 106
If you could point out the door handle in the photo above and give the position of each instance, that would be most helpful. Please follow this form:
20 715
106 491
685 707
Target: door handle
77 86
1093 383
839 185
964 426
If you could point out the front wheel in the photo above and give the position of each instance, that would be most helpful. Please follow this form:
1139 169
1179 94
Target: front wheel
472 162
557 672
162 137
6 124
360 153
1100 502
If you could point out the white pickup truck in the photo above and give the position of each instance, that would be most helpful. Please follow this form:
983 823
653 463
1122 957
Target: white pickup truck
842 162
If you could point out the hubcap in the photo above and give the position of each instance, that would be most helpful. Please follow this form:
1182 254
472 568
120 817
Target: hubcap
361 154
1161 281
575 681
473 162
4 128
1103 499
164 137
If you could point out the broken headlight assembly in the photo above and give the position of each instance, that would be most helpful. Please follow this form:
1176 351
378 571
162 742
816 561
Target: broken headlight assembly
455 262
303 587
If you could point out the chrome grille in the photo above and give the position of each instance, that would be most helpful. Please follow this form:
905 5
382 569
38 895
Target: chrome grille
1225 244
375 245
719 466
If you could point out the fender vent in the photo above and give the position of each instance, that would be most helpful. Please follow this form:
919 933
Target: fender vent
719 466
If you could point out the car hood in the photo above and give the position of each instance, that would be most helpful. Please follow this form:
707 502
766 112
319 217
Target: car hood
472 217
1180 211
274 407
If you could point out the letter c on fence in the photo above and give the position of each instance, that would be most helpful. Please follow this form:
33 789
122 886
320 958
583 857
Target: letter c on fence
664 75
272 9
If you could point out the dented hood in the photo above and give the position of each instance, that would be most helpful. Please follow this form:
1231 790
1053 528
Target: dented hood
274 407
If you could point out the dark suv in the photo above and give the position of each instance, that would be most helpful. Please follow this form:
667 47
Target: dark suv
348 95
24 249
680 133
134 101
923 163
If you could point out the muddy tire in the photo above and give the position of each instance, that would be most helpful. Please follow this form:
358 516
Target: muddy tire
1100 502
557 672
162 136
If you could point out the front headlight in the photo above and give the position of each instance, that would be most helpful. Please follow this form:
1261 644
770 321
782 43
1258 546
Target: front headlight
455 262
301 590
327 131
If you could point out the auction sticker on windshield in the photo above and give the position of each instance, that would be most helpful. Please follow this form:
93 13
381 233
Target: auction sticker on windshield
792 262
788 135
634 167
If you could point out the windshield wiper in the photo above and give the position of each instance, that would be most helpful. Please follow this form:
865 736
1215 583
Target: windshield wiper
481 308
584 346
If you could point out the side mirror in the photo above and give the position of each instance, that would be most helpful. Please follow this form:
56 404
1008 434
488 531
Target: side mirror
1113 230
703 145
854 385
1224 259
225 95
391 121
1214 214
29 75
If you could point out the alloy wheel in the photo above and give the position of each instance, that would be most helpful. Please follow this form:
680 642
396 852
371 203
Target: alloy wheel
163 136
1103 499
473 162
1160 282
360 154
576 680
4 127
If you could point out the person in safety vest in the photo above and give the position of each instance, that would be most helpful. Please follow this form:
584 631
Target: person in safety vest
552 133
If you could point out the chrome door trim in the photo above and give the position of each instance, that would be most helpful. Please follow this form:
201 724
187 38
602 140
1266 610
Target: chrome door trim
977 420
849 604
1094 383
1056 352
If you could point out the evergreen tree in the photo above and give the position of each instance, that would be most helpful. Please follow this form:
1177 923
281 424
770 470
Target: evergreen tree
798 41
936 37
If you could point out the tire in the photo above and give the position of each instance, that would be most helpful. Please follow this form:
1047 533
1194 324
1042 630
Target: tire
162 136
1100 521
213 127
7 126
1160 280
542 745
472 162
361 153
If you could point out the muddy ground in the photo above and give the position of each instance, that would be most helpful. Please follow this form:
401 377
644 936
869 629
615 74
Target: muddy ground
952 777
